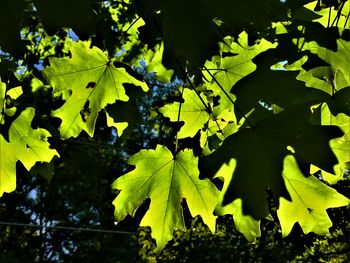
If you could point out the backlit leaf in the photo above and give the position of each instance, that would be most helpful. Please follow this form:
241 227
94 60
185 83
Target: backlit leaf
245 224
330 17
194 34
192 112
340 146
94 82
338 60
228 70
309 200
11 94
166 180
260 151
26 145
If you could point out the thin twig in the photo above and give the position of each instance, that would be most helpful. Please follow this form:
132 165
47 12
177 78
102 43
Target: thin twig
228 96
337 18
329 16
126 31
178 120
346 20
207 107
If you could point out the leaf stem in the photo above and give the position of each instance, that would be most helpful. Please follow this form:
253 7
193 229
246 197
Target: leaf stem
303 43
129 27
329 16
207 107
199 69
178 120
347 19
337 18
184 73
228 96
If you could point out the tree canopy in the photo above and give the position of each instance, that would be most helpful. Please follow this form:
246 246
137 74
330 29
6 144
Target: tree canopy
203 108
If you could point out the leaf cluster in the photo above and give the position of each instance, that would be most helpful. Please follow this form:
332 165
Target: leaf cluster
261 107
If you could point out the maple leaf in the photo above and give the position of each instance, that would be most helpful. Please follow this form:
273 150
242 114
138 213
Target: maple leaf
232 67
26 145
309 200
153 60
338 61
7 167
340 146
123 115
195 35
166 180
196 115
6 97
278 87
329 16
260 151
94 82
323 78
245 224
11 94
318 77
224 71
217 129
330 80
193 113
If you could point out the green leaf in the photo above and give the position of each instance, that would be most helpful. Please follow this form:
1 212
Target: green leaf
277 87
192 112
94 82
340 146
228 70
8 161
26 145
32 142
12 94
119 126
260 152
318 77
324 78
245 224
153 61
327 17
194 35
166 180
124 115
338 61
309 200
217 129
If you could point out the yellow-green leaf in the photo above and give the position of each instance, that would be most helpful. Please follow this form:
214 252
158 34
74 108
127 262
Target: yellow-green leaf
310 199
192 112
26 145
93 80
165 179
245 224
